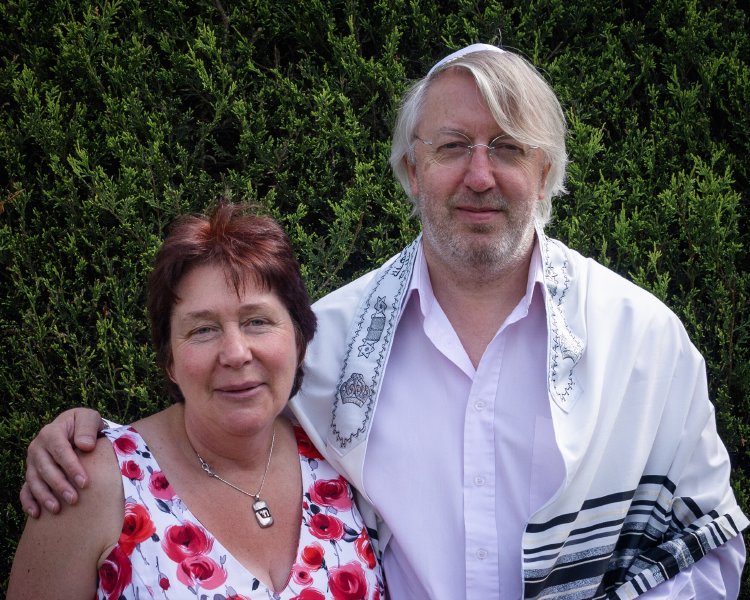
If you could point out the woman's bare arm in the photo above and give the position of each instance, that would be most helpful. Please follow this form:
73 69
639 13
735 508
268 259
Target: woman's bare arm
58 556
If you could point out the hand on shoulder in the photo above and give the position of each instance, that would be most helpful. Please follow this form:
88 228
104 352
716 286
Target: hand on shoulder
91 526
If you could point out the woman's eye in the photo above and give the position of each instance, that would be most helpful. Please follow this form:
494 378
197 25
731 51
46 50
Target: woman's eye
256 322
202 331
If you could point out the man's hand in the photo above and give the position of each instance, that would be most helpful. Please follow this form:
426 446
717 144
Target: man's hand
52 463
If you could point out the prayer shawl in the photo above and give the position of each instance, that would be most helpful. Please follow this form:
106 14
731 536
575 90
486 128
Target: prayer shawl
646 490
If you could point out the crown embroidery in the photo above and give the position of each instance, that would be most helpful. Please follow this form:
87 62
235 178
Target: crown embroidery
355 391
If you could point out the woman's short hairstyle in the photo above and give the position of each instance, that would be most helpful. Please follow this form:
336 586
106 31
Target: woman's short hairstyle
244 244
522 102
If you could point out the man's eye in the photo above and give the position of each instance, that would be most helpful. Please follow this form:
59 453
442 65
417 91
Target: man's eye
507 147
453 147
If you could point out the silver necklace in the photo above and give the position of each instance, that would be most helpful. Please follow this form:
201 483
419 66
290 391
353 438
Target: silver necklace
262 512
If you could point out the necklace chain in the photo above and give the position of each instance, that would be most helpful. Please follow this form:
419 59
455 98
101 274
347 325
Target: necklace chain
211 473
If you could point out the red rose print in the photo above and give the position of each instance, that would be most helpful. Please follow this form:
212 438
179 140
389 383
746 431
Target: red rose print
159 486
124 445
326 527
163 582
235 597
136 527
131 470
310 594
331 492
305 446
348 582
115 573
202 571
301 575
312 556
185 541
363 546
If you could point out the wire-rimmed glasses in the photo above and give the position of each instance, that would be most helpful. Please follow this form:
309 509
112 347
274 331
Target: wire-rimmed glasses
453 149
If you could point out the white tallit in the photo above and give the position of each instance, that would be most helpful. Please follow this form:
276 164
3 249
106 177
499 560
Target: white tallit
646 491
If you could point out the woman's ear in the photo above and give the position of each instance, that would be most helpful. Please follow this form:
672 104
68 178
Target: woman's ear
168 371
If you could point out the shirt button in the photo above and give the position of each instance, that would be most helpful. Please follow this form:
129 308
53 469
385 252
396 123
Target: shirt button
481 554
479 481
479 405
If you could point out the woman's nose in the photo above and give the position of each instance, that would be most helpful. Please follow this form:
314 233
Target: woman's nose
235 348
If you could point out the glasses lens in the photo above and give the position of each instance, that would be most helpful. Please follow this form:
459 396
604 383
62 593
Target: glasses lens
507 150
450 150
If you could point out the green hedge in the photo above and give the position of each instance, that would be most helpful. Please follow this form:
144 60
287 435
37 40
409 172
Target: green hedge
116 116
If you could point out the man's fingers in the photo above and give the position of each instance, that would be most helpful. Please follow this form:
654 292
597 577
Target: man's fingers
86 427
49 457
52 463
30 507
60 465
44 494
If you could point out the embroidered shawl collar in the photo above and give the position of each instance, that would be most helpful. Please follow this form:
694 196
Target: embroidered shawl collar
370 339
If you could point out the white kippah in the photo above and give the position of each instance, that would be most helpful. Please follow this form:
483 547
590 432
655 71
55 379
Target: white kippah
467 50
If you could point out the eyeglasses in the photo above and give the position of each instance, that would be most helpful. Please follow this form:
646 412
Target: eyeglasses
454 149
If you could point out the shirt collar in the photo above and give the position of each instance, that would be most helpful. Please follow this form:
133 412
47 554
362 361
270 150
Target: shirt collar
421 285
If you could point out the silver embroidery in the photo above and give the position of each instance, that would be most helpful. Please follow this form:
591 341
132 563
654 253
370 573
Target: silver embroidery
566 348
355 391
368 346
375 328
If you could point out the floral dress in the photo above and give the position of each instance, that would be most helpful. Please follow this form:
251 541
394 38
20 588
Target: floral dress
164 551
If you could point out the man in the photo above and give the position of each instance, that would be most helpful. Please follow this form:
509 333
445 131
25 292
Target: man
518 421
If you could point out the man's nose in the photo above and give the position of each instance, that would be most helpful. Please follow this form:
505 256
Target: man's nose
480 169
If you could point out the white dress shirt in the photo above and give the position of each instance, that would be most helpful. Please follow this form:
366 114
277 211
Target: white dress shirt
479 458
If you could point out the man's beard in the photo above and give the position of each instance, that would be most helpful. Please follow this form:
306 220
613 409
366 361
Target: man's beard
485 251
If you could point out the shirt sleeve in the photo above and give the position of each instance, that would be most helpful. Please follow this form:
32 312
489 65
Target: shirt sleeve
716 575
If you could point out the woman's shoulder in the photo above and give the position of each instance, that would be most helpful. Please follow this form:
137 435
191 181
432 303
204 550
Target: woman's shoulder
104 473
122 439
98 514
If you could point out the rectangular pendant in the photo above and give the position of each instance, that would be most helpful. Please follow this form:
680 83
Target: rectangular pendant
262 514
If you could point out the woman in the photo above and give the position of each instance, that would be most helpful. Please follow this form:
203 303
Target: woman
219 495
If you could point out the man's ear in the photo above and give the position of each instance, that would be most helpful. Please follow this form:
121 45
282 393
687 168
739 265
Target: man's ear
543 180
411 171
